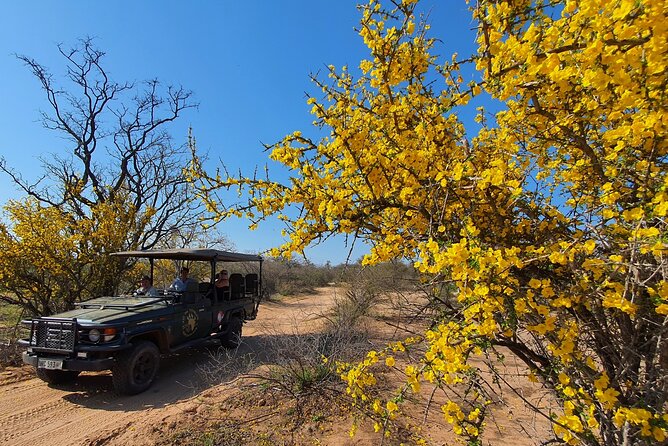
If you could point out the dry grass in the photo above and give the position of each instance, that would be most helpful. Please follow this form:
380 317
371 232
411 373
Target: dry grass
299 362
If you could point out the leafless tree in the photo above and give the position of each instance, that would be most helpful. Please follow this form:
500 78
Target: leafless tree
119 143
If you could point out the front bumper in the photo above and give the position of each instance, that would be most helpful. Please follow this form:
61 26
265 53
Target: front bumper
81 365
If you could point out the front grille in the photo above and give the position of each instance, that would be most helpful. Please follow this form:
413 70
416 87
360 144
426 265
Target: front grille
54 335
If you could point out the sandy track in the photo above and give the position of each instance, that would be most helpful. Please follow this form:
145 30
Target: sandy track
31 412
89 413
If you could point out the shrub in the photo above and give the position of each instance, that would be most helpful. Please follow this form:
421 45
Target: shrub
10 331
289 277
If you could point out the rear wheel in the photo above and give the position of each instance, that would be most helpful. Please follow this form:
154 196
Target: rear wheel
232 338
57 376
134 370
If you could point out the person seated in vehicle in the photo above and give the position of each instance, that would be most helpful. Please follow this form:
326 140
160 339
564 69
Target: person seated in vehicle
222 279
146 287
222 285
180 284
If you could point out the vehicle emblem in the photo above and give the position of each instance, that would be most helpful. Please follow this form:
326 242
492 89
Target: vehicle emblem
189 322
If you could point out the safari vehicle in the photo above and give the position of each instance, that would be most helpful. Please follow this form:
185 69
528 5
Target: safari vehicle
127 334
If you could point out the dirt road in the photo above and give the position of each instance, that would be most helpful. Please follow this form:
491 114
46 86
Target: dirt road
89 413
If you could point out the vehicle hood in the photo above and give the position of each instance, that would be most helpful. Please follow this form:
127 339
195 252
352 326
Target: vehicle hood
122 309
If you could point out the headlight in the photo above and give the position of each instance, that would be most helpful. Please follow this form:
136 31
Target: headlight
109 334
94 335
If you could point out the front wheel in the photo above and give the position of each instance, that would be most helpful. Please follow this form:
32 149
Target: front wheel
57 376
232 338
134 370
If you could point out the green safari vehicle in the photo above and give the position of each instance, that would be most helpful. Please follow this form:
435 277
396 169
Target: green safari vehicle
127 334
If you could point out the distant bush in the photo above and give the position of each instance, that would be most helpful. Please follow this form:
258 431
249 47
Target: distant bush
380 278
289 277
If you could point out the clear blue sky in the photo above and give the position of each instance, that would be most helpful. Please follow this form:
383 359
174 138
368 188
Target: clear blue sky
247 62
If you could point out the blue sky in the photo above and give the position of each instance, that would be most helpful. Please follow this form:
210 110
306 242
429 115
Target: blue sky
247 63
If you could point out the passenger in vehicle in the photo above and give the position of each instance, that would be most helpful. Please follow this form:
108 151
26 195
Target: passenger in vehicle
180 284
222 279
146 287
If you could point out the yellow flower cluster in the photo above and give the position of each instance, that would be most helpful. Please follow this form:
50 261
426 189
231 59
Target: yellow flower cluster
651 425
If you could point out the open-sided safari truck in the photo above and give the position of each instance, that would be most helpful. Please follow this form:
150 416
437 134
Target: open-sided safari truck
127 334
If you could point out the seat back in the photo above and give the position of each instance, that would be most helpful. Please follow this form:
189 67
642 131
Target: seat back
191 294
237 286
223 293
251 283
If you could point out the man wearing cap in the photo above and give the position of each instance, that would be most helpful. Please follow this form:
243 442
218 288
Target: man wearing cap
146 288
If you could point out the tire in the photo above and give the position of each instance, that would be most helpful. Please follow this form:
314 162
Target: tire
232 338
57 376
134 370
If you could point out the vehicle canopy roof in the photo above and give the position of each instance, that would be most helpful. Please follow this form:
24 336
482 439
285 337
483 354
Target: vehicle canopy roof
191 254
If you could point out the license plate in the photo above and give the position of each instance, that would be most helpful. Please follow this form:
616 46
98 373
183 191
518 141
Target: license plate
50 364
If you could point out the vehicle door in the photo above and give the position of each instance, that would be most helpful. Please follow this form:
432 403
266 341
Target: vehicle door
203 307
193 319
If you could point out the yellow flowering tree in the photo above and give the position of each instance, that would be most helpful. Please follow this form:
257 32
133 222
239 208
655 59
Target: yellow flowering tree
549 221
51 260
